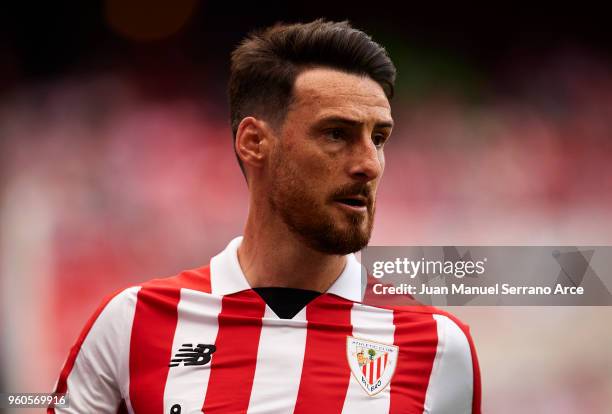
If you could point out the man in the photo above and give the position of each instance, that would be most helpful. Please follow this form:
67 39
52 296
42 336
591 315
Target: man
274 324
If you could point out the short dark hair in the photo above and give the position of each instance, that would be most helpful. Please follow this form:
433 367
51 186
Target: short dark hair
265 65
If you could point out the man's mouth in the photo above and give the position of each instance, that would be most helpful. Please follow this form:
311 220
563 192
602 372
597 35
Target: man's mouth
354 203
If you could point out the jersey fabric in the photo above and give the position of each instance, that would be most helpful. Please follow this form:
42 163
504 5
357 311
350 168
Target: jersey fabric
204 341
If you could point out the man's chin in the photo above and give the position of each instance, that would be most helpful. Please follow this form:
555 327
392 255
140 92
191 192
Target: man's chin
338 241
336 232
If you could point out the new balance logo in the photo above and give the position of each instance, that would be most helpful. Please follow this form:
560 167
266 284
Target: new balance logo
190 355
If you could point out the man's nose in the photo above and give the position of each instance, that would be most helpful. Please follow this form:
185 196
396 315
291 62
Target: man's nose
367 162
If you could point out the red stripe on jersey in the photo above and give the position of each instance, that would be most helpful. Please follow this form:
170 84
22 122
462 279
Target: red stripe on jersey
62 382
325 372
153 329
417 338
233 363
378 368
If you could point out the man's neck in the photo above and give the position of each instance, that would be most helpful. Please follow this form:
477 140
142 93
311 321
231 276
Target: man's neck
272 256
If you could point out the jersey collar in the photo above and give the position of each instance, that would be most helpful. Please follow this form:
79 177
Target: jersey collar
226 276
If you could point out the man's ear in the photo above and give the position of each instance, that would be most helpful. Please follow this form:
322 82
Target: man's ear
252 141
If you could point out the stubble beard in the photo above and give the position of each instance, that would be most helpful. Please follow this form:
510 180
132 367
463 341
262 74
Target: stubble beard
306 217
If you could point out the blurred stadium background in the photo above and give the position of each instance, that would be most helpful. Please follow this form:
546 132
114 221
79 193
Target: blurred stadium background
116 165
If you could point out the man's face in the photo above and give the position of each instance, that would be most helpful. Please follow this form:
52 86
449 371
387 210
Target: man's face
328 159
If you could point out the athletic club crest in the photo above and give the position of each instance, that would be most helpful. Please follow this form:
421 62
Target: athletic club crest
372 363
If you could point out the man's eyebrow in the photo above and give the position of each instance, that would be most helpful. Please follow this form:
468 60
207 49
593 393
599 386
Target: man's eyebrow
350 122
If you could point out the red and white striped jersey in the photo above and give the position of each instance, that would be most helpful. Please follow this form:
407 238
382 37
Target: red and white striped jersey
204 341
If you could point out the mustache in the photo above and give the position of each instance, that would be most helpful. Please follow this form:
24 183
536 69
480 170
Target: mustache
354 190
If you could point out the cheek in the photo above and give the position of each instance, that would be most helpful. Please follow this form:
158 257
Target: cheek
312 163
313 166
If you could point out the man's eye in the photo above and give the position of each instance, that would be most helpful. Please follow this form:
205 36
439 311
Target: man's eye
379 140
335 134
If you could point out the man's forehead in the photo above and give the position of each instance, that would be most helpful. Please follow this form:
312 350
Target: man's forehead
329 90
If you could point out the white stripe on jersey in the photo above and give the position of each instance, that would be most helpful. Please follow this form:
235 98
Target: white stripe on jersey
275 386
197 324
451 371
124 366
376 325
100 372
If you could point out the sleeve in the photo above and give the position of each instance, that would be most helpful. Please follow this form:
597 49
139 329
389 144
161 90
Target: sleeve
454 385
477 388
96 368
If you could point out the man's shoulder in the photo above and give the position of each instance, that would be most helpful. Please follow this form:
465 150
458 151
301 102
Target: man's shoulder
406 317
194 279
